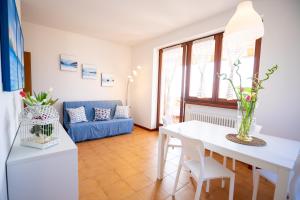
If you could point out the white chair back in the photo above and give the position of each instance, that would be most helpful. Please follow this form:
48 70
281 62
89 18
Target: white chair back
167 120
257 129
194 150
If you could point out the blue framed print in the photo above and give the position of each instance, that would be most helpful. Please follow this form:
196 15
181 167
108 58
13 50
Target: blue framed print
68 63
12 47
20 53
89 71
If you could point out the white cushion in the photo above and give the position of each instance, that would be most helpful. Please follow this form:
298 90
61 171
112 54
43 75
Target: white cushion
77 114
122 112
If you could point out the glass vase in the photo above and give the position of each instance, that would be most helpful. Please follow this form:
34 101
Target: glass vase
245 121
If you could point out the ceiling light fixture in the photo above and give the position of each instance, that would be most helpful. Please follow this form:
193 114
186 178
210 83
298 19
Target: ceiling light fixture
245 25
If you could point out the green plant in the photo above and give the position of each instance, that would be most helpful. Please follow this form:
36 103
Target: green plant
247 98
42 98
39 99
39 130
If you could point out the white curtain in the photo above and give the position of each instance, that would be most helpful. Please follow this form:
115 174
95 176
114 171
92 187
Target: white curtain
202 55
171 80
232 53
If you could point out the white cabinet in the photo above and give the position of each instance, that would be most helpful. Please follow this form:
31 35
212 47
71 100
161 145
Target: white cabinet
49 174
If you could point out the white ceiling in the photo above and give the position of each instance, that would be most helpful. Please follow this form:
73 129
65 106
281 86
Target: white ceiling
124 21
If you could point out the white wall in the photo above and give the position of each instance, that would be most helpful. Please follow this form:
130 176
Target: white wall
143 95
279 110
46 44
10 107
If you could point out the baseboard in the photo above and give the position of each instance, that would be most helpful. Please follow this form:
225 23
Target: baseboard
143 127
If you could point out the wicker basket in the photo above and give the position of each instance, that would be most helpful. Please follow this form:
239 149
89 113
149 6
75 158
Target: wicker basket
39 126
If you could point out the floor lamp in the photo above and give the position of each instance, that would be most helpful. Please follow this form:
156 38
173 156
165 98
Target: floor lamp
130 80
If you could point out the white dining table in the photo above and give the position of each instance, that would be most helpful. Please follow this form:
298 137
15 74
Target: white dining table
279 154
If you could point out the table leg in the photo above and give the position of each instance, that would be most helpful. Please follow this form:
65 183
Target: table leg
281 189
161 153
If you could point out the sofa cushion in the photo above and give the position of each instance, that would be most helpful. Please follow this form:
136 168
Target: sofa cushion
89 108
77 114
102 114
99 129
122 112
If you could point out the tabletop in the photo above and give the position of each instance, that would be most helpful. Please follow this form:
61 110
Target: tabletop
278 151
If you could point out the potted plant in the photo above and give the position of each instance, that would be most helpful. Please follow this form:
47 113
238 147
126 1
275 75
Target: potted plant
41 113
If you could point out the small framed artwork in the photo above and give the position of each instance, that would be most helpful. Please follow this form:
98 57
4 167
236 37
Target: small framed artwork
107 80
68 63
89 71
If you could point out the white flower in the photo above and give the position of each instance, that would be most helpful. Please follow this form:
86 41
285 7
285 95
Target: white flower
50 89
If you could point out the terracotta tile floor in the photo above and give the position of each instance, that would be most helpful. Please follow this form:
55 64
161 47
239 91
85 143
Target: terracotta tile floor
124 167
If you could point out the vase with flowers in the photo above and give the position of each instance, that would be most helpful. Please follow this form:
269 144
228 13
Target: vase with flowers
247 100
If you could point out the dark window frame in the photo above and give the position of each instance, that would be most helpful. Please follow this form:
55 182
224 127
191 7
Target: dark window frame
215 101
186 67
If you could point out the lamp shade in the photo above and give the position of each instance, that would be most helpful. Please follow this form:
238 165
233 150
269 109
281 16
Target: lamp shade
134 72
245 25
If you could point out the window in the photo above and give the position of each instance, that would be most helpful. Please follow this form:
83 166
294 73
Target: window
202 68
189 73
209 57
246 56
170 82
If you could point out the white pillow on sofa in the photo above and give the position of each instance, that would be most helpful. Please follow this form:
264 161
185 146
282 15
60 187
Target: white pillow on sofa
122 112
77 114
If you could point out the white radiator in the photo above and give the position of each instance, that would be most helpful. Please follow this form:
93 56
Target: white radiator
219 116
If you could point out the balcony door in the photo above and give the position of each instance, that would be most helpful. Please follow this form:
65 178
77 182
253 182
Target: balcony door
170 95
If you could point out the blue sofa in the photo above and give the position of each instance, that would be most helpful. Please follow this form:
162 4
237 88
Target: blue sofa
95 129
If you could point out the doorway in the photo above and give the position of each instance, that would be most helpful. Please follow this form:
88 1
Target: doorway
171 83
27 70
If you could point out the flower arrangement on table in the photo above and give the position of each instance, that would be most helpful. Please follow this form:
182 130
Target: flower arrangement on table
247 99
39 116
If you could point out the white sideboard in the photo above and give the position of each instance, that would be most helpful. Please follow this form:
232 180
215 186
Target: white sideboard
49 174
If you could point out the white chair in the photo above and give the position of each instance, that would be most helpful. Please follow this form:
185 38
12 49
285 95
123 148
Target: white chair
294 181
170 141
202 168
256 131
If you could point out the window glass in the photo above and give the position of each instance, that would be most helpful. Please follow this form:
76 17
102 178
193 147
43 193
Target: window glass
229 57
171 81
202 68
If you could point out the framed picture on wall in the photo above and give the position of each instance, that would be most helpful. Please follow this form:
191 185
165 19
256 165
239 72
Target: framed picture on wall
107 80
68 63
12 47
20 55
89 71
